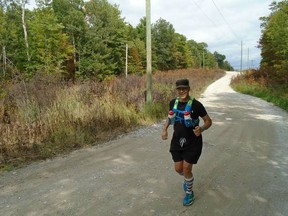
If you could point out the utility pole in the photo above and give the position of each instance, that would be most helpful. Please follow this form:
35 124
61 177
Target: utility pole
148 50
4 61
126 63
248 66
203 60
241 58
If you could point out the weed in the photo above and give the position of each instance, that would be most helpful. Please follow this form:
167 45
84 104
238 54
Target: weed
259 84
46 117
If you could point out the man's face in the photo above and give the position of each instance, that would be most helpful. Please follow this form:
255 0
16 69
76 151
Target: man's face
183 93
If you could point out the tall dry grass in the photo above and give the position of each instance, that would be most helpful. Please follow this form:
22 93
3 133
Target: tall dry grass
46 117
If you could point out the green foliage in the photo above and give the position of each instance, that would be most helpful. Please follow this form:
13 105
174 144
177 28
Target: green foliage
136 56
164 44
48 44
227 66
221 62
6 167
103 51
201 56
274 40
87 40
154 111
172 50
210 61
71 14
12 39
196 50
182 53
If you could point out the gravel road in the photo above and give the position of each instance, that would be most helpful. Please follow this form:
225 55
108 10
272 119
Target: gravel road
243 169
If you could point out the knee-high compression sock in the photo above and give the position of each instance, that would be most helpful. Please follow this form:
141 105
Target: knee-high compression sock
189 184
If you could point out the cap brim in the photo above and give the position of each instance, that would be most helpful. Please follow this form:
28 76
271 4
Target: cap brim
182 86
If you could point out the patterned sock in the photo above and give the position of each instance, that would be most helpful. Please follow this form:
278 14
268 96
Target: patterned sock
189 183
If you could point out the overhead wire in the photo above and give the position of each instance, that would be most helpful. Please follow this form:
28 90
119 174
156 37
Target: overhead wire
212 21
204 13
230 28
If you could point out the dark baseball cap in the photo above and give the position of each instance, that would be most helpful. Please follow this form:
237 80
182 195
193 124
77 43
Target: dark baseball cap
182 83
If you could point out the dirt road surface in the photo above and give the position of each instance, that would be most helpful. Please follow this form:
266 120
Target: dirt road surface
243 169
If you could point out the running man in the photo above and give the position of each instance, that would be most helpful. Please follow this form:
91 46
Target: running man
186 143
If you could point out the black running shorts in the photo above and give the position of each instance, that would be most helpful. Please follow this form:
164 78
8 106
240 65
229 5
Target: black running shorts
190 151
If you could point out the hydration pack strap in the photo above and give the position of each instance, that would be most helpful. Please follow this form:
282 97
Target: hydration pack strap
188 106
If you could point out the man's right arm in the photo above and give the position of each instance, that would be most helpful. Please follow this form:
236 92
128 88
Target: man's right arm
165 130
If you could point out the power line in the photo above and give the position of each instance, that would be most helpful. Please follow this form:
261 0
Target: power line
211 20
205 13
224 19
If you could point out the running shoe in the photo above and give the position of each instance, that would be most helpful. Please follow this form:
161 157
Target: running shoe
188 199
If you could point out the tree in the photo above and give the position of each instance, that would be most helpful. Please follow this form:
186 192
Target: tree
183 54
87 39
196 52
210 61
136 52
71 14
12 37
219 59
165 48
141 34
222 63
50 47
274 41
103 49
2 41
23 4
227 66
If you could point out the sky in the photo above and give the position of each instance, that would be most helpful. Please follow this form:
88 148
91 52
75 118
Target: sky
222 24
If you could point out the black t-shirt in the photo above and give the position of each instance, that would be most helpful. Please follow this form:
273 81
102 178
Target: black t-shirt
198 110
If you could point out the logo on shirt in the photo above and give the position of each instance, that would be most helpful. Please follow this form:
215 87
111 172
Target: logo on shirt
182 141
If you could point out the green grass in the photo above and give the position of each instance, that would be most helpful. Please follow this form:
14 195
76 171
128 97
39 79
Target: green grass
278 95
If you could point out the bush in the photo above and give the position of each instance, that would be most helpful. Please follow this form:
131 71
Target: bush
46 117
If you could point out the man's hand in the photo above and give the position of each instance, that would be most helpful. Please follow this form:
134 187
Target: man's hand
164 135
207 124
197 131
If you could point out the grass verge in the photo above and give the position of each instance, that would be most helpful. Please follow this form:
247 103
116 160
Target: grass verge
248 83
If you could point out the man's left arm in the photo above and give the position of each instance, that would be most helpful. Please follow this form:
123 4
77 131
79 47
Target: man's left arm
207 124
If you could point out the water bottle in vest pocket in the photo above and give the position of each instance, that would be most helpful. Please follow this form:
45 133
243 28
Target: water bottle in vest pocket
188 120
171 117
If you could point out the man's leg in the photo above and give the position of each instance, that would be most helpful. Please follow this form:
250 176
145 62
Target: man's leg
179 167
188 177
187 169
188 181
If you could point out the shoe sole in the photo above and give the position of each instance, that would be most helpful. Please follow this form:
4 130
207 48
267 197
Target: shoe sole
189 204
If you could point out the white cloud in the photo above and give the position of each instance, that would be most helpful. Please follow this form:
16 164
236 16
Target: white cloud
222 26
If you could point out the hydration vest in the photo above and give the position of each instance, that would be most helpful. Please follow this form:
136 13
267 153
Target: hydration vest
179 114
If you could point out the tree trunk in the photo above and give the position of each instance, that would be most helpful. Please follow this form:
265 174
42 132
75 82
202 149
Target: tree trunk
25 30
4 61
